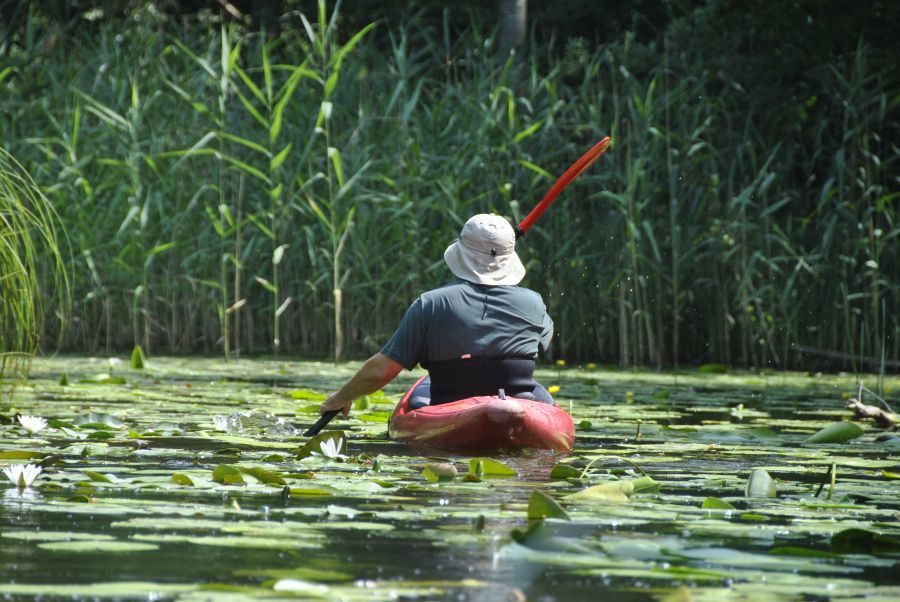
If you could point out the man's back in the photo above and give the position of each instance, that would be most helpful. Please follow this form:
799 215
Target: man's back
464 319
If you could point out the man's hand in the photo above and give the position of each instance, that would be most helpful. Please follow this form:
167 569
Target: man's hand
336 403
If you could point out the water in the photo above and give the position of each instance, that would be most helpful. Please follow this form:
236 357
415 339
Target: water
377 530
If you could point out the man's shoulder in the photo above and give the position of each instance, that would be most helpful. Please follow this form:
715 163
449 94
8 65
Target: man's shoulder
451 288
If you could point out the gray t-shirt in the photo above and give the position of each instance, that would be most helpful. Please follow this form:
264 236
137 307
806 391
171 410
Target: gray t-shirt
467 319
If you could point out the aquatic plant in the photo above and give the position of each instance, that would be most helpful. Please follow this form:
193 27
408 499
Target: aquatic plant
33 424
23 475
34 282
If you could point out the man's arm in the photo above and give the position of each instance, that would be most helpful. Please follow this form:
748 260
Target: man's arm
378 371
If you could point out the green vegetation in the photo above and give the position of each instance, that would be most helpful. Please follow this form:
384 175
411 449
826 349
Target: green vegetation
227 190
29 246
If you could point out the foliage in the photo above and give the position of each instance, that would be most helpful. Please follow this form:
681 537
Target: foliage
32 266
231 190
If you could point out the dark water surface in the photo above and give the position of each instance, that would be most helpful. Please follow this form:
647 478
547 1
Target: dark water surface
105 520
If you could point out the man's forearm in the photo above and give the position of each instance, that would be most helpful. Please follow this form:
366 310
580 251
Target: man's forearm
374 374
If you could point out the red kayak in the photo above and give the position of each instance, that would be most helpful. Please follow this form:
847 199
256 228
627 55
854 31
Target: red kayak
480 423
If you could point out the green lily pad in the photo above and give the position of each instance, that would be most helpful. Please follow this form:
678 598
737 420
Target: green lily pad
616 491
486 467
541 505
227 474
99 545
182 479
439 472
262 475
714 503
760 484
863 541
564 471
837 432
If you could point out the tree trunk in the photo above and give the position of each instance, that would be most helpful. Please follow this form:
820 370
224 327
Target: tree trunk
513 18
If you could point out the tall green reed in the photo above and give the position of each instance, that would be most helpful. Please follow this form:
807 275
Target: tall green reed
32 260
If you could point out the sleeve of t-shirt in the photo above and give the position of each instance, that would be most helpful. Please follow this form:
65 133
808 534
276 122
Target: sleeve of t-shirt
546 331
406 345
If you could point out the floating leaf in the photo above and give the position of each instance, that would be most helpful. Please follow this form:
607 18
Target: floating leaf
90 419
837 432
20 454
714 503
760 484
490 468
331 439
227 474
103 379
181 479
308 395
263 476
439 472
97 477
862 541
98 546
802 552
312 490
565 471
713 369
541 505
616 491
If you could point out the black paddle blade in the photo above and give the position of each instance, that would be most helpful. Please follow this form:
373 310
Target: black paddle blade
320 423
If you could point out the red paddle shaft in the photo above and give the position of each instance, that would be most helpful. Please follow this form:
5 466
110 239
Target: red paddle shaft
564 180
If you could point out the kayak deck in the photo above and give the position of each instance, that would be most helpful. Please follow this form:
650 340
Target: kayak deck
485 422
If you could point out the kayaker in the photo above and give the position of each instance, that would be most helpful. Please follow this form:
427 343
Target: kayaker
475 336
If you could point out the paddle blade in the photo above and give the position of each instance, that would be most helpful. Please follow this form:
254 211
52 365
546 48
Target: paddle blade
564 180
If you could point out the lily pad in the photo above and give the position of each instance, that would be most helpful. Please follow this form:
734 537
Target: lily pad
98 545
487 467
541 505
837 432
760 484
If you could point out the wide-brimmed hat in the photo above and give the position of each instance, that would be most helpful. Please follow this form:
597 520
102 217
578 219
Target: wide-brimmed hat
485 252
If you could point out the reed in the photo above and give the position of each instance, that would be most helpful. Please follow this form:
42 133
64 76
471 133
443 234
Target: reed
231 191
32 260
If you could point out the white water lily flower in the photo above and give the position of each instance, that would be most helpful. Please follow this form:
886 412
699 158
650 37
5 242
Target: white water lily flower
22 475
33 424
331 448
113 362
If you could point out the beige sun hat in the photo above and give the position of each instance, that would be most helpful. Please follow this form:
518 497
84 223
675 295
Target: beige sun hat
485 252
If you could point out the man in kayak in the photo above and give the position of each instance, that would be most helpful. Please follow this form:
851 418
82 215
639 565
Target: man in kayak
475 336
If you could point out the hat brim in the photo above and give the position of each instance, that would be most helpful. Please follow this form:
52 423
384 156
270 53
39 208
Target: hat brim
482 268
